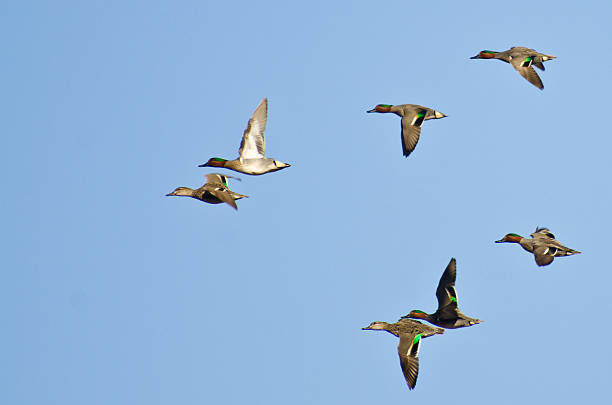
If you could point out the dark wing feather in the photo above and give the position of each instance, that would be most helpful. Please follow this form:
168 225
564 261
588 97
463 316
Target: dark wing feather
446 293
409 360
542 256
410 134
447 281
224 195
527 72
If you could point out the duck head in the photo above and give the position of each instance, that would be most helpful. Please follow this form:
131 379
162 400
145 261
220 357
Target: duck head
381 108
486 54
416 314
376 326
510 238
181 191
214 162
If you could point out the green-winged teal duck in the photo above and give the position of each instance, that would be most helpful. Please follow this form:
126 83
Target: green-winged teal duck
410 334
543 245
448 314
413 116
252 150
215 191
521 59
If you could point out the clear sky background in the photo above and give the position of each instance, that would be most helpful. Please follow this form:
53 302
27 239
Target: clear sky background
112 293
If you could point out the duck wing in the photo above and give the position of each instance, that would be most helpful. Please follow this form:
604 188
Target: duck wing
542 233
544 255
224 195
527 71
446 293
411 129
253 144
408 350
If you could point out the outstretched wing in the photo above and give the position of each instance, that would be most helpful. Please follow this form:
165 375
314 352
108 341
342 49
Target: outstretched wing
446 293
408 350
224 195
527 71
411 130
253 145
542 233
544 255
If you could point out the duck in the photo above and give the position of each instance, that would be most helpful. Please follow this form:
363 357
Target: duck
410 334
214 191
252 151
542 244
413 116
522 59
447 315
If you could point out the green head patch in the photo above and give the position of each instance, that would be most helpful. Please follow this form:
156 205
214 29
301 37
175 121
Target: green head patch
418 311
384 105
218 160
514 234
487 51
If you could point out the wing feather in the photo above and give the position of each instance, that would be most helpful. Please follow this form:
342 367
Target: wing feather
253 144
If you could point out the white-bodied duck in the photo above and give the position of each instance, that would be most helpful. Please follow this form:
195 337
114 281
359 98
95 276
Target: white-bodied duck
252 150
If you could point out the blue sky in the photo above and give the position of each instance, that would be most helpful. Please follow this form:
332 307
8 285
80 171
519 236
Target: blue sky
113 293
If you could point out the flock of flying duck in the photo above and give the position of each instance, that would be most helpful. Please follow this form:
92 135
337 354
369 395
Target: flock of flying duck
252 160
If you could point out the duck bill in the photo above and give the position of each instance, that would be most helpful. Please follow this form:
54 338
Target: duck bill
372 110
500 241
203 165
474 57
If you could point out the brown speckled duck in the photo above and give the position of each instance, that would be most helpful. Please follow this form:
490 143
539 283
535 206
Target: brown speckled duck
410 334
214 191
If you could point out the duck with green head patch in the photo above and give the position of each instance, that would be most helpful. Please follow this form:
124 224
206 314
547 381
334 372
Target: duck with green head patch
410 333
214 191
521 59
542 244
252 159
447 315
413 116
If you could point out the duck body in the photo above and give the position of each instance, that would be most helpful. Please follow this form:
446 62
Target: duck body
447 315
214 191
252 151
248 166
522 60
410 334
542 244
413 116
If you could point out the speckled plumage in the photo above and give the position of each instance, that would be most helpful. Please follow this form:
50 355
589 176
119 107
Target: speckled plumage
408 348
214 191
